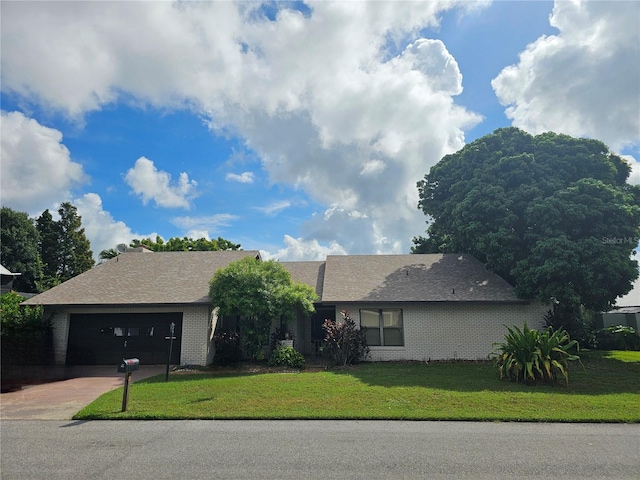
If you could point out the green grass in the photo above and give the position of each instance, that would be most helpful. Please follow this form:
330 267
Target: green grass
605 388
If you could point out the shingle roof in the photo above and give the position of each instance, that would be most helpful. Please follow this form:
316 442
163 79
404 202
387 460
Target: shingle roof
4 271
412 278
137 278
183 278
311 273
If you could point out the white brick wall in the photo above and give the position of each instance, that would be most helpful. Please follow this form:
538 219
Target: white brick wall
60 323
431 331
446 331
195 347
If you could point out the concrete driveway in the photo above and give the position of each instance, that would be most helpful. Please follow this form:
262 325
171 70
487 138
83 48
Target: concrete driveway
60 400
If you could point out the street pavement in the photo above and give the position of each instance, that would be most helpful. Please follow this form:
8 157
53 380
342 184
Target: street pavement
114 450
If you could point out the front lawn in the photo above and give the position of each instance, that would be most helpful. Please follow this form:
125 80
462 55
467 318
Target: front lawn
605 388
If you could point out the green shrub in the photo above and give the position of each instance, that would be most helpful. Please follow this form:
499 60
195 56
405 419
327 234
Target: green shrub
27 336
529 356
285 356
618 337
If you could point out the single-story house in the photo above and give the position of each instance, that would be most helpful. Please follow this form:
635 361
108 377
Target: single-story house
6 280
415 307
627 311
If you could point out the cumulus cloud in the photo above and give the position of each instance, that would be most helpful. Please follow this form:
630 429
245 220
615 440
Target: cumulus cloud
197 234
634 177
584 80
346 102
244 177
37 169
297 249
102 230
149 183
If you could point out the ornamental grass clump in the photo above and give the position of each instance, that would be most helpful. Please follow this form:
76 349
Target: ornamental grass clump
529 356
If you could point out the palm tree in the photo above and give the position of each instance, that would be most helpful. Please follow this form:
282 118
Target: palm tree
108 254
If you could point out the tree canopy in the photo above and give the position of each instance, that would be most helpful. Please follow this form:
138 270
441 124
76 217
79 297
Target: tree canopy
185 244
44 251
259 292
19 249
550 213
65 249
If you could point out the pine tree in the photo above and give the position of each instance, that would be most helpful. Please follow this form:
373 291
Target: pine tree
75 255
49 249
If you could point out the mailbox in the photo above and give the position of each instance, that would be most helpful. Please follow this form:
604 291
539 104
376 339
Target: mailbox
128 365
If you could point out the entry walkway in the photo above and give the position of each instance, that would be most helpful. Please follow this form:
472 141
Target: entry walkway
60 400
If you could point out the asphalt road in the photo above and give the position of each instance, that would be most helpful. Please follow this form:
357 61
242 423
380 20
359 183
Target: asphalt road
32 449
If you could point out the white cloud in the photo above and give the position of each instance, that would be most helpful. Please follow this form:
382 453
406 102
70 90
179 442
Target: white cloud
634 177
244 177
347 103
373 167
150 184
198 234
297 249
37 170
585 80
102 230
275 207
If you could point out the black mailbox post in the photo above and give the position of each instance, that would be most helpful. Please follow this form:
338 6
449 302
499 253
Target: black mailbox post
128 366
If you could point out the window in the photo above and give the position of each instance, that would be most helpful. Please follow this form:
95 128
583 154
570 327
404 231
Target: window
383 326
134 331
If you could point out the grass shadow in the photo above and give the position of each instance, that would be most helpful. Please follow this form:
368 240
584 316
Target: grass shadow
598 373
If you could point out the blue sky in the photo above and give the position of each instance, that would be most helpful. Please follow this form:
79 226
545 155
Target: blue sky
299 129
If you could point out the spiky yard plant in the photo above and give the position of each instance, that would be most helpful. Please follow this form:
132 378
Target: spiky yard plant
529 356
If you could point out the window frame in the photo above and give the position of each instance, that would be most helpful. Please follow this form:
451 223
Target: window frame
381 328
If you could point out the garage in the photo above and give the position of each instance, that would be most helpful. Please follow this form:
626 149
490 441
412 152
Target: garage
107 338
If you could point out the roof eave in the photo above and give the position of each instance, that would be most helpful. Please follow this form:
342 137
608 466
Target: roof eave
416 302
117 305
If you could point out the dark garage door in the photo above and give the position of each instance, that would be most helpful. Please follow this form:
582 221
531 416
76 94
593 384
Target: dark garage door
99 339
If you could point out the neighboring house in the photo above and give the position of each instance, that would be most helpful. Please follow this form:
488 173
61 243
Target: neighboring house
6 280
415 307
627 311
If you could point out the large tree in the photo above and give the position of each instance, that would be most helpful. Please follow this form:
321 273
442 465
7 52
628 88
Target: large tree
65 249
185 244
49 237
550 213
19 249
260 292
76 256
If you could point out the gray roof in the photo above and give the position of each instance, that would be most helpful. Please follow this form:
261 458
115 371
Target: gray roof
136 278
412 278
183 278
4 271
311 273
625 310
